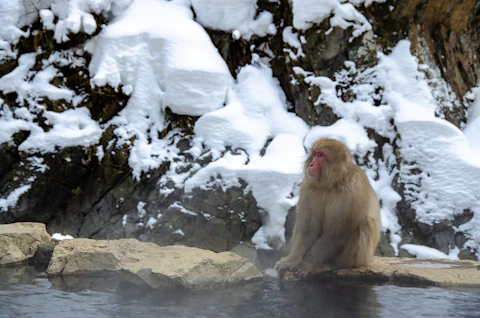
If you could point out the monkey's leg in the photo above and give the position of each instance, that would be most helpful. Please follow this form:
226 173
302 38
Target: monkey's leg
322 254
360 249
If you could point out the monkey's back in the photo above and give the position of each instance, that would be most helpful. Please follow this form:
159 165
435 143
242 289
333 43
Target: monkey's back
363 212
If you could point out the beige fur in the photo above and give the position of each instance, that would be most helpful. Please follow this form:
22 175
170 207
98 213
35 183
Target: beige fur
338 216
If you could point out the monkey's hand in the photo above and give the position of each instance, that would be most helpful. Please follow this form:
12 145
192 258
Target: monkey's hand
284 265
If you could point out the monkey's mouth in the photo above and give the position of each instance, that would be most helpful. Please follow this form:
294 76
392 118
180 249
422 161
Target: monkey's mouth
312 174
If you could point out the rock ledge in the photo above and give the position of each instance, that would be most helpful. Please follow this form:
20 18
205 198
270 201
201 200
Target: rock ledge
148 263
20 241
408 271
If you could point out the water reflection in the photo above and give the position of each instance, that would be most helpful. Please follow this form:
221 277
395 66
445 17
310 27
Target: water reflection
25 292
19 274
100 282
305 300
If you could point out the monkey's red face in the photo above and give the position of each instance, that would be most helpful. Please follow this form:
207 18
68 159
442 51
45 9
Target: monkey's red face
318 159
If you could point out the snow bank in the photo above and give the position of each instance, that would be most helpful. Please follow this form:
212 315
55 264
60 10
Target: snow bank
256 113
472 129
272 178
61 237
13 16
236 16
73 16
156 48
344 15
73 127
350 133
76 16
427 252
12 199
295 41
163 59
11 124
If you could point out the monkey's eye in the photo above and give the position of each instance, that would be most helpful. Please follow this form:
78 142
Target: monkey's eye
319 154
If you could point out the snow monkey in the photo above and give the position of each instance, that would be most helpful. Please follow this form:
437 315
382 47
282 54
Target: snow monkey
338 215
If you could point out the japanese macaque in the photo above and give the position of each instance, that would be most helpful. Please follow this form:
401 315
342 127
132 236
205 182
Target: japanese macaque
338 215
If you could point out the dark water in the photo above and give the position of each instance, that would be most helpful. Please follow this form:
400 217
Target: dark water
25 292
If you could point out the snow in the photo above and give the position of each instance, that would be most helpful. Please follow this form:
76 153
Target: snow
351 134
344 15
158 49
12 198
357 3
47 18
272 178
15 80
291 38
179 206
75 16
11 12
179 232
164 59
61 237
239 16
140 209
472 129
100 153
427 252
73 127
256 113
448 183
151 222
37 164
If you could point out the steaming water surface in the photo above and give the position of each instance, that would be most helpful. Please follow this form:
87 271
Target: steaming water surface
25 292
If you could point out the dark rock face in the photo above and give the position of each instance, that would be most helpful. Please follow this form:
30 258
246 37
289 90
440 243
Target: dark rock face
220 222
85 197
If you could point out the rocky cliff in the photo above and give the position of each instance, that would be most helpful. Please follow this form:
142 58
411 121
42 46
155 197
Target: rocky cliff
327 71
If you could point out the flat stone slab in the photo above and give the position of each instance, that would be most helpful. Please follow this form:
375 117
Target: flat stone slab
410 271
20 241
148 263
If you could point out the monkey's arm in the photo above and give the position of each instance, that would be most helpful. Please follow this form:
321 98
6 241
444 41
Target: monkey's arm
302 242
304 237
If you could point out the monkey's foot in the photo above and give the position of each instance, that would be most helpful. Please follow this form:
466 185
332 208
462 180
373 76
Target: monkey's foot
305 270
